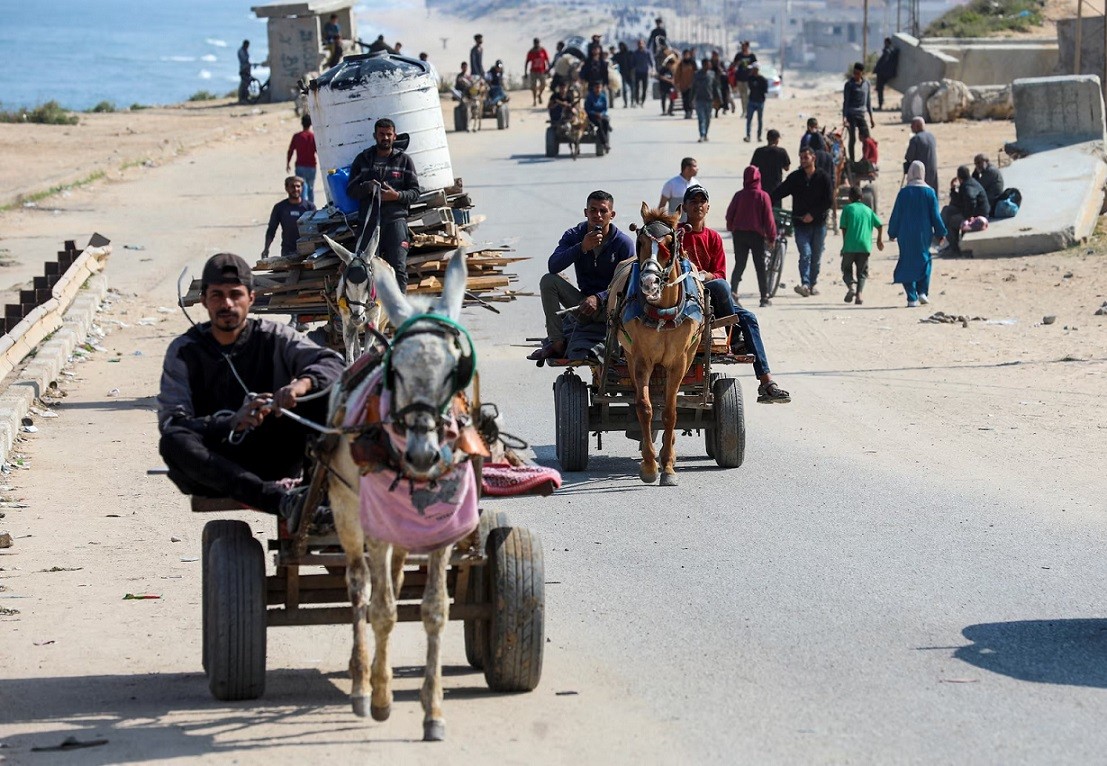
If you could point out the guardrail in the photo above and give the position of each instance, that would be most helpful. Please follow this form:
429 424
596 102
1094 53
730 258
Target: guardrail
40 309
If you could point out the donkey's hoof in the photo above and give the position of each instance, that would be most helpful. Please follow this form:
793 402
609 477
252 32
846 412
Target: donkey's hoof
649 478
380 713
434 731
669 480
360 705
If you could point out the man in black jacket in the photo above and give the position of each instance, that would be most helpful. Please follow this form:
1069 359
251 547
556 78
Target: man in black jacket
224 384
990 178
967 199
812 197
886 67
384 169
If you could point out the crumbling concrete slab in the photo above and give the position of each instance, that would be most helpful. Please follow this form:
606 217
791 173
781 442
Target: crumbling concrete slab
1062 195
1057 111
973 61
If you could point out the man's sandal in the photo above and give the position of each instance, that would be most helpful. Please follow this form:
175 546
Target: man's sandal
771 393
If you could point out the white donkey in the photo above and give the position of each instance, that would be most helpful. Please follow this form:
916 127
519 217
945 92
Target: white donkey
357 303
400 483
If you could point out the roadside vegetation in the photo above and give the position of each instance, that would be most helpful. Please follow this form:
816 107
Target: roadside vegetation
203 95
50 113
103 106
984 18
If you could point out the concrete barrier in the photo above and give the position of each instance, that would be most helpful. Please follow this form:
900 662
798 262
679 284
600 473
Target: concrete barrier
973 61
918 64
1091 45
1057 111
1062 195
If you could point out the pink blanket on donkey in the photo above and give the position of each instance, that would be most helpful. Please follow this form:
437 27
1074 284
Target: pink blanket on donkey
417 516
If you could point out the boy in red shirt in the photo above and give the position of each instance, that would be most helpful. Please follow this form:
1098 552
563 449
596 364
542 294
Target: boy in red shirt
536 66
303 146
704 248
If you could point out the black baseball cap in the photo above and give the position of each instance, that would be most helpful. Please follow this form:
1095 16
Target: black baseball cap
692 191
226 269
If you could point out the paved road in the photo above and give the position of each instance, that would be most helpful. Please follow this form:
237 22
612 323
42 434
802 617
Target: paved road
851 594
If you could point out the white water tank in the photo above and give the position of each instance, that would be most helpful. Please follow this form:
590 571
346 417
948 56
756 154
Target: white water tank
345 101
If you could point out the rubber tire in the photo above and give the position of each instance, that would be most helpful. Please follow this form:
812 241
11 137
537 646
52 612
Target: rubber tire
599 148
571 426
552 144
236 619
476 631
213 530
461 118
503 118
775 268
709 433
516 638
253 90
730 423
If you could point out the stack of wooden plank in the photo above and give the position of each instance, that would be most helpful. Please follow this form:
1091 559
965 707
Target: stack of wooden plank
305 283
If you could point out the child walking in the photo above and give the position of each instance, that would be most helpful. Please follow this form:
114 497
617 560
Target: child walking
857 224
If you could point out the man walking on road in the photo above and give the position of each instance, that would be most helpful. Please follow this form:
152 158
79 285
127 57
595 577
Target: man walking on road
743 61
924 148
772 161
536 67
673 191
303 146
285 214
856 105
812 196
641 61
750 221
857 224
385 170
705 90
757 90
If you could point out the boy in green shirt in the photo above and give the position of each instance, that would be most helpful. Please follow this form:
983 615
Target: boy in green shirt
857 224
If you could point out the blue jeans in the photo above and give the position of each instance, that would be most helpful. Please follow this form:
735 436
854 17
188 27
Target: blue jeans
308 174
703 114
758 108
722 305
921 287
810 238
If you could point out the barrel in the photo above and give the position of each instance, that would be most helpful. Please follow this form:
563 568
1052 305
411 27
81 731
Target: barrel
345 102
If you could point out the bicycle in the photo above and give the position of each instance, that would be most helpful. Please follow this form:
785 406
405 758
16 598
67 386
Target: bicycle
774 258
256 89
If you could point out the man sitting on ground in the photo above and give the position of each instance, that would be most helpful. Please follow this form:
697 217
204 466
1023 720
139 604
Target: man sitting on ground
218 438
990 178
704 248
593 247
595 106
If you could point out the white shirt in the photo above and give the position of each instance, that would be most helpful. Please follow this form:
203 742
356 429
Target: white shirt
674 189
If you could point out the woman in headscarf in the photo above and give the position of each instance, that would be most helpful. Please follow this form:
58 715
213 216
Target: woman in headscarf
915 221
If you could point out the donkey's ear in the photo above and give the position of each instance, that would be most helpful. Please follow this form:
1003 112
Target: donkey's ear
679 212
394 302
453 291
645 210
338 249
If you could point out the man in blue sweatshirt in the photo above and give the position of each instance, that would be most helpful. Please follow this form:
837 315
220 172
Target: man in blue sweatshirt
593 248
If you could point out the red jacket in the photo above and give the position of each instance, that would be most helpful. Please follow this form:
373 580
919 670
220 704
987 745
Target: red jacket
751 209
705 250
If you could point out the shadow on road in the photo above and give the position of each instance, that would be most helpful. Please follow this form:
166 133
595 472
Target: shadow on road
1068 652
531 159
162 716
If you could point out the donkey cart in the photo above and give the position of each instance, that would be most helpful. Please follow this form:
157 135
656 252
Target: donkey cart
707 401
495 582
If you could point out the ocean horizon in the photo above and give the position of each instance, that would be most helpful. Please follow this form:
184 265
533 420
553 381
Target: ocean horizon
80 53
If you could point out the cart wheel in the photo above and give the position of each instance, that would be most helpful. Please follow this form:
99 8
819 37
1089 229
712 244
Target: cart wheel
503 118
552 144
461 118
476 631
571 406
235 641
775 268
516 636
213 530
730 423
709 431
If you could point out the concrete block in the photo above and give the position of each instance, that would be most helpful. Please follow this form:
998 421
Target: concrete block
1091 45
949 102
918 64
1058 111
915 99
991 102
1062 195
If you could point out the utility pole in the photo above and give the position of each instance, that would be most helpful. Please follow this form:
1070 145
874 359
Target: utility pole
865 33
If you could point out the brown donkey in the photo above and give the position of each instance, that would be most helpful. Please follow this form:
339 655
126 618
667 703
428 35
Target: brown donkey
660 326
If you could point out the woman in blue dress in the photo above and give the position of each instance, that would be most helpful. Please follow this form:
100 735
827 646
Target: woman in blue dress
915 221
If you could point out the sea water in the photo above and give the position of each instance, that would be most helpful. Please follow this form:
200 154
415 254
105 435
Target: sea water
82 52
